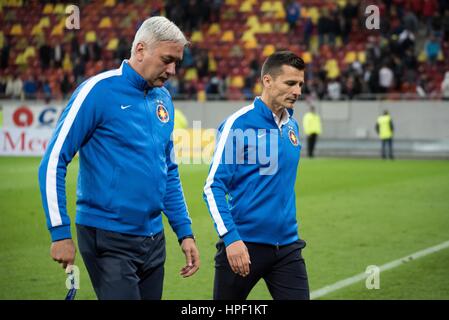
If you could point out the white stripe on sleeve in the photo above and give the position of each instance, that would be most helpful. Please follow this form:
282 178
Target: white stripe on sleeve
50 184
216 161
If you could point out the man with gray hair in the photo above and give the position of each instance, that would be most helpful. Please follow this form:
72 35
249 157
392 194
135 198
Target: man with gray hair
121 122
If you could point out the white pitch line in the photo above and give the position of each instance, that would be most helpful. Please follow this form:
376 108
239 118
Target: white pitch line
390 265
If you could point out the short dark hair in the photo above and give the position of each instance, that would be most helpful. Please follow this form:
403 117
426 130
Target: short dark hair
274 62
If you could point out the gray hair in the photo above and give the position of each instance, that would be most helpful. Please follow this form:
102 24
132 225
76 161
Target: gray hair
157 29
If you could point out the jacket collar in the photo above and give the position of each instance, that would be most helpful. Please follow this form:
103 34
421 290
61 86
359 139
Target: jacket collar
266 111
136 79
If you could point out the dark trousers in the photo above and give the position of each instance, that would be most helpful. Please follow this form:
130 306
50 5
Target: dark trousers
387 148
311 142
282 268
123 266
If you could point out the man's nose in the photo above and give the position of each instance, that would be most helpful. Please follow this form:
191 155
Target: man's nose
297 90
171 69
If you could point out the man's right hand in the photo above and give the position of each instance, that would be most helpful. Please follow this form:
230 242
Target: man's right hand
238 258
63 251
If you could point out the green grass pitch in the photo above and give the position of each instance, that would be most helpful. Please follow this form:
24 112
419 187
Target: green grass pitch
352 213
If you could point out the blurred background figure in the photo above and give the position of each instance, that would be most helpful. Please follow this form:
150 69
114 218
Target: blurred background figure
385 129
312 128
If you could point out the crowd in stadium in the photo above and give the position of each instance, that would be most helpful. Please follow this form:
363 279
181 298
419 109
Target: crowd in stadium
405 58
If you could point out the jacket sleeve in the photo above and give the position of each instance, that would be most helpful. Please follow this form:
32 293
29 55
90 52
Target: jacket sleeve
74 127
174 202
218 181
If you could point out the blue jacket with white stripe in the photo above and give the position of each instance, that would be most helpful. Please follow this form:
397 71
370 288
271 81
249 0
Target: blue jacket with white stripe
122 129
250 187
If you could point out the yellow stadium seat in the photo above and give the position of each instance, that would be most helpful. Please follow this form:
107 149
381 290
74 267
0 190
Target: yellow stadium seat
279 10
29 52
228 36
67 63
16 30
280 14
58 30
269 49
37 30
307 57
109 3
105 23
48 9
2 39
20 59
285 28
59 9
341 3
237 82
332 68
257 90
248 35
212 62
91 36
267 6
266 27
250 44
197 36
246 6
112 44
201 96
314 14
422 56
350 57
44 22
214 29
252 21
361 56
191 74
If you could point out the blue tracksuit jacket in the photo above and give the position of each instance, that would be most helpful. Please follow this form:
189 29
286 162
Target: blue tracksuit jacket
250 198
122 129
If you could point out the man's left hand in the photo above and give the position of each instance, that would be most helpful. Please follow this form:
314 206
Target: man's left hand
190 250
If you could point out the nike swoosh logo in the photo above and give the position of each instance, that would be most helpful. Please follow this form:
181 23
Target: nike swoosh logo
125 107
261 135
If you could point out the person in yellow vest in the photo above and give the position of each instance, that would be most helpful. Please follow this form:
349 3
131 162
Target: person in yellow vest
385 130
180 120
312 128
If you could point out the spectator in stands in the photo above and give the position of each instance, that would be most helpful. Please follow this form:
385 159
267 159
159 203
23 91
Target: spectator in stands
352 87
334 89
30 87
46 89
432 48
308 31
14 87
66 86
349 13
292 14
386 78
45 55
445 86
2 85
6 49
324 26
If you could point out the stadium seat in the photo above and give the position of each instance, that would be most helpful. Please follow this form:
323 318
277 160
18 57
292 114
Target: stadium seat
228 36
197 36
105 23
268 50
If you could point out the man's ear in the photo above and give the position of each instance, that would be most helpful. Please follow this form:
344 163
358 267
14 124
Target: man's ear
139 51
267 80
